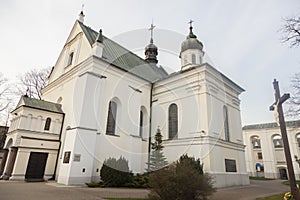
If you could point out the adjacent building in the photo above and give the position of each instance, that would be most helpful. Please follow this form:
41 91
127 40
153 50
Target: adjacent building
264 149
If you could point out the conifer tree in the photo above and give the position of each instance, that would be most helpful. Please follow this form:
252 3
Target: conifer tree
157 158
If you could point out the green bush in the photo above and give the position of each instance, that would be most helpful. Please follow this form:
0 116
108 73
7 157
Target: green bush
182 180
115 173
139 181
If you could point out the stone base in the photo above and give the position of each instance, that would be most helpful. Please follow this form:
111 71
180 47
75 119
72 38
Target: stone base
230 179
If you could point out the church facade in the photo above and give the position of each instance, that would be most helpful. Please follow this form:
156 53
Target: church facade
108 102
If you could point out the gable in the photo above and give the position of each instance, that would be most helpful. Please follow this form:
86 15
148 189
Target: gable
76 44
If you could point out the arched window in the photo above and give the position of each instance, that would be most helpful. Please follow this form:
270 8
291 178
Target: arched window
56 126
70 59
38 123
173 121
141 123
277 141
226 123
255 142
193 59
298 139
47 124
111 118
28 122
200 59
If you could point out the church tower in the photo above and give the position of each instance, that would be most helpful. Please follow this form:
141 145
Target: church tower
191 53
151 49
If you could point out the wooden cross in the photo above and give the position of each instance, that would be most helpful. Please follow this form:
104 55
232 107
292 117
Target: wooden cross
277 107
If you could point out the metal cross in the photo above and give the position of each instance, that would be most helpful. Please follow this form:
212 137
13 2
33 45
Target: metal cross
151 29
190 22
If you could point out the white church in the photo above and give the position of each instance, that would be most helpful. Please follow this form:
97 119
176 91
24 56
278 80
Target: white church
102 100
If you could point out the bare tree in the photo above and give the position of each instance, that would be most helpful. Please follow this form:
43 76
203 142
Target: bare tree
291 31
294 101
4 93
6 102
32 82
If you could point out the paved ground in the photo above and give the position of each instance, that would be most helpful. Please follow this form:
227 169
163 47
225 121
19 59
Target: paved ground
12 190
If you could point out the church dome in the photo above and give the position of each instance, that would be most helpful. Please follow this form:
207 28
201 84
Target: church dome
191 42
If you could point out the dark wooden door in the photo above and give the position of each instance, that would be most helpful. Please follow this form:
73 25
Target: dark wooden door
36 166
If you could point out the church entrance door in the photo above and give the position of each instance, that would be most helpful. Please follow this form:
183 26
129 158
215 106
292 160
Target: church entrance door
36 166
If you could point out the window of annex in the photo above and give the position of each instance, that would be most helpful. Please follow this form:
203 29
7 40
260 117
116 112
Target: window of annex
277 141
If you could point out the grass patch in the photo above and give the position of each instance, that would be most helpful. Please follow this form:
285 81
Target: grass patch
288 182
273 197
260 178
124 199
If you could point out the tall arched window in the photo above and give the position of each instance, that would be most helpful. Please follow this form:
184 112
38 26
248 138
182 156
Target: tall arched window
226 123
255 142
173 121
193 59
47 124
277 141
141 123
298 139
111 118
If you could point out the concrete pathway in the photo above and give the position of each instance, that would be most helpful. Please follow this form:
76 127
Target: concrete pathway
18 190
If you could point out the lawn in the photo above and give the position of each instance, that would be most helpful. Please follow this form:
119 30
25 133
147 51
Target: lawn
124 199
273 197
288 182
260 178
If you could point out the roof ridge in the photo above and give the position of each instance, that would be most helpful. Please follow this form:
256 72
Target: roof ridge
105 37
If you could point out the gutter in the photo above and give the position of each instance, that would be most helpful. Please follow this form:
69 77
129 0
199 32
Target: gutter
59 147
150 128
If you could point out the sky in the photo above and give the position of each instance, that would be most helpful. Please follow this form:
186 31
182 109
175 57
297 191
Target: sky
241 38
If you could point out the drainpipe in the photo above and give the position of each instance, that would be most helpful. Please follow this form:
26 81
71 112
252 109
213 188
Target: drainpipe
150 128
59 147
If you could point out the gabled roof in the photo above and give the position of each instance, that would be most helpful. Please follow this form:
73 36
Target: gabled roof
271 125
39 104
122 58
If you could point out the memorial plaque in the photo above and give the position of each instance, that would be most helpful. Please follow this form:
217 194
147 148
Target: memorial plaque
77 157
230 165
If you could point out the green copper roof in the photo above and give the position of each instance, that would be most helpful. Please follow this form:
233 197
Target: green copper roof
271 125
123 58
40 104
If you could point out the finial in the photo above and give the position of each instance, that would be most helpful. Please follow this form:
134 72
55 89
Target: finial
81 15
151 31
191 34
99 37
191 23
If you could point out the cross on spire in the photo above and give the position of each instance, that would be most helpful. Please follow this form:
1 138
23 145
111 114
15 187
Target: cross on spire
151 32
191 23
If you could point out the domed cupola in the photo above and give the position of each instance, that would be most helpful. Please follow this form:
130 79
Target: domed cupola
191 53
151 50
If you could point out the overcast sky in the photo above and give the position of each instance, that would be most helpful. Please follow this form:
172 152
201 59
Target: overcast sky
240 37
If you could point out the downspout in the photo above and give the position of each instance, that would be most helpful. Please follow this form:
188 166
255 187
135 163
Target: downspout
59 147
150 128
